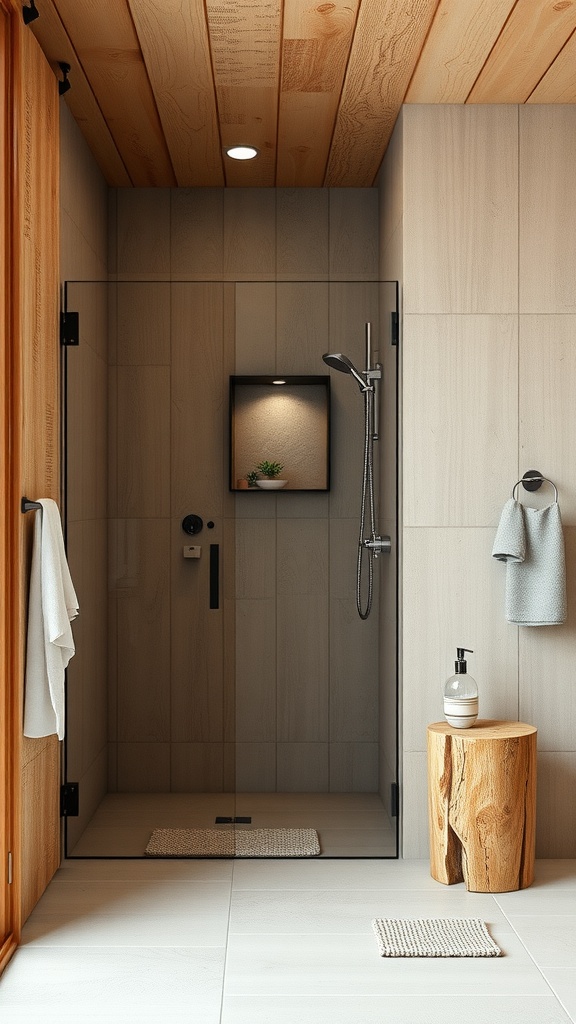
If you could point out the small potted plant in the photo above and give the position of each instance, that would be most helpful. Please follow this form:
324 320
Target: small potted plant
252 478
271 472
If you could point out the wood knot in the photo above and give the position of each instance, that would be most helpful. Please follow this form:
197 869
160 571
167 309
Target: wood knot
326 8
562 5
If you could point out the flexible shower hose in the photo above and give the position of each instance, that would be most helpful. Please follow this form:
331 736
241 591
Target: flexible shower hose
367 497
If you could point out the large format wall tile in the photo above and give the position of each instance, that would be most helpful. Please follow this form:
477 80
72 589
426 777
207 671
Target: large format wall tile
302 319
143 441
143 323
142 580
353 234
249 234
547 411
556 828
197 233
143 767
461 209
414 805
353 657
255 670
143 227
302 630
354 767
352 306
303 767
197 655
460 418
256 767
197 406
547 209
453 596
255 328
255 558
197 767
302 225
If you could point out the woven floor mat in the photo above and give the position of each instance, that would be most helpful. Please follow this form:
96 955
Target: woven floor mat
457 936
213 842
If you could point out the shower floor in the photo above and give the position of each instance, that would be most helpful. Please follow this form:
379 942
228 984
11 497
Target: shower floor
349 824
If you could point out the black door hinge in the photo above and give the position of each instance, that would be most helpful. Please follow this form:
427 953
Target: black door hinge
394 800
69 328
69 800
394 328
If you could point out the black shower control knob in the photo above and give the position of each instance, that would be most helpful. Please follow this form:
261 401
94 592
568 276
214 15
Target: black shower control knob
192 524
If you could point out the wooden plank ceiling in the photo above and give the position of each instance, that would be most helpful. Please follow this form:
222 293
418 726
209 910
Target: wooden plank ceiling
160 88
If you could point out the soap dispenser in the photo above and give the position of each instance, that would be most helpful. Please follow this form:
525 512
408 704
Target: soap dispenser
461 694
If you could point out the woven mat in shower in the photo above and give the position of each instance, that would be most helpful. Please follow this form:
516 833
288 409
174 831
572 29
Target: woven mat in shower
253 842
457 936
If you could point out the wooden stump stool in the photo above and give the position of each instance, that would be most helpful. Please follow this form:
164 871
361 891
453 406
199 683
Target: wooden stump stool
482 804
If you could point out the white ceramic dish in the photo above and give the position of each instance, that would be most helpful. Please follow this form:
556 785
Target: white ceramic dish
271 485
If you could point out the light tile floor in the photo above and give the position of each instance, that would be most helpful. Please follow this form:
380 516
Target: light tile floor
289 942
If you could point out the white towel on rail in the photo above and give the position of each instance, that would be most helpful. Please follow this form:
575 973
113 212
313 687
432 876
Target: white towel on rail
52 606
531 542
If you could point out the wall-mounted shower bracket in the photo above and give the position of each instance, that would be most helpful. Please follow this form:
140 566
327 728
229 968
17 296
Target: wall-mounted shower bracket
378 546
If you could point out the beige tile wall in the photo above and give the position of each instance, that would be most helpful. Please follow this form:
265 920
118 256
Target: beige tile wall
83 195
285 667
476 216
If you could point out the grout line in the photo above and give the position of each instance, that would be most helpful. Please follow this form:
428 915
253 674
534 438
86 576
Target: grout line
537 966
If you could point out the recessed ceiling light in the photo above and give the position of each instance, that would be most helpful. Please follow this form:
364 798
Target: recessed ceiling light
242 152
278 381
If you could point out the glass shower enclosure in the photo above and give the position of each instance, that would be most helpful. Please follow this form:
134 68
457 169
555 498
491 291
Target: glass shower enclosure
225 698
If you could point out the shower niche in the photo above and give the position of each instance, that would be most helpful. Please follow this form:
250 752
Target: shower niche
282 421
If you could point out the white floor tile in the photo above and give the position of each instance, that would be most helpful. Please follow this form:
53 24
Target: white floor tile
538 901
551 940
120 941
111 985
393 1009
130 913
337 874
148 868
563 983
350 965
555 874
318 911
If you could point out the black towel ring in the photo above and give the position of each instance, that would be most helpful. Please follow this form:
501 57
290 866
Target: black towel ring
532 481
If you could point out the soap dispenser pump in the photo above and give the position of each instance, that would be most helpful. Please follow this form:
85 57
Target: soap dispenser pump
461 694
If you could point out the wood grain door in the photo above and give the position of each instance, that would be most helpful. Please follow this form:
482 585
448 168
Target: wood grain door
8 923
29 444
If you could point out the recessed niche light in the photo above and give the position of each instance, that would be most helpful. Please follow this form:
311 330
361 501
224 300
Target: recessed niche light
242 152
278 381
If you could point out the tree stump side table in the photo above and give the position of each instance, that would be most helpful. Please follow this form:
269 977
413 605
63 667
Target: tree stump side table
482 805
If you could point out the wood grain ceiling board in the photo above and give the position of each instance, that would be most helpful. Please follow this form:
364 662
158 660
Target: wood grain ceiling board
559 82
387 42
315 46
245 44
106 44
459 42
56 45
530 41
175 46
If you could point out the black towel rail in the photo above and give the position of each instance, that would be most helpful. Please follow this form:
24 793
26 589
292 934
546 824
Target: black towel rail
29 506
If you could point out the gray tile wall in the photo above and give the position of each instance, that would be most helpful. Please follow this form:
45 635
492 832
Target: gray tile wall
285 666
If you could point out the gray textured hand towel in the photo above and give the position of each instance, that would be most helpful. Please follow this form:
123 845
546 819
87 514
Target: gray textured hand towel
531 542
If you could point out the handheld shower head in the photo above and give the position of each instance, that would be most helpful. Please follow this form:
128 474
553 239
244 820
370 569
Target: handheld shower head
341 362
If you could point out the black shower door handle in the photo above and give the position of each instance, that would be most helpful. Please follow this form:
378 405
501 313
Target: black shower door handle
214 576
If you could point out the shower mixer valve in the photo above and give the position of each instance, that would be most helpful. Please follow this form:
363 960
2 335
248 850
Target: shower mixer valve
378 545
